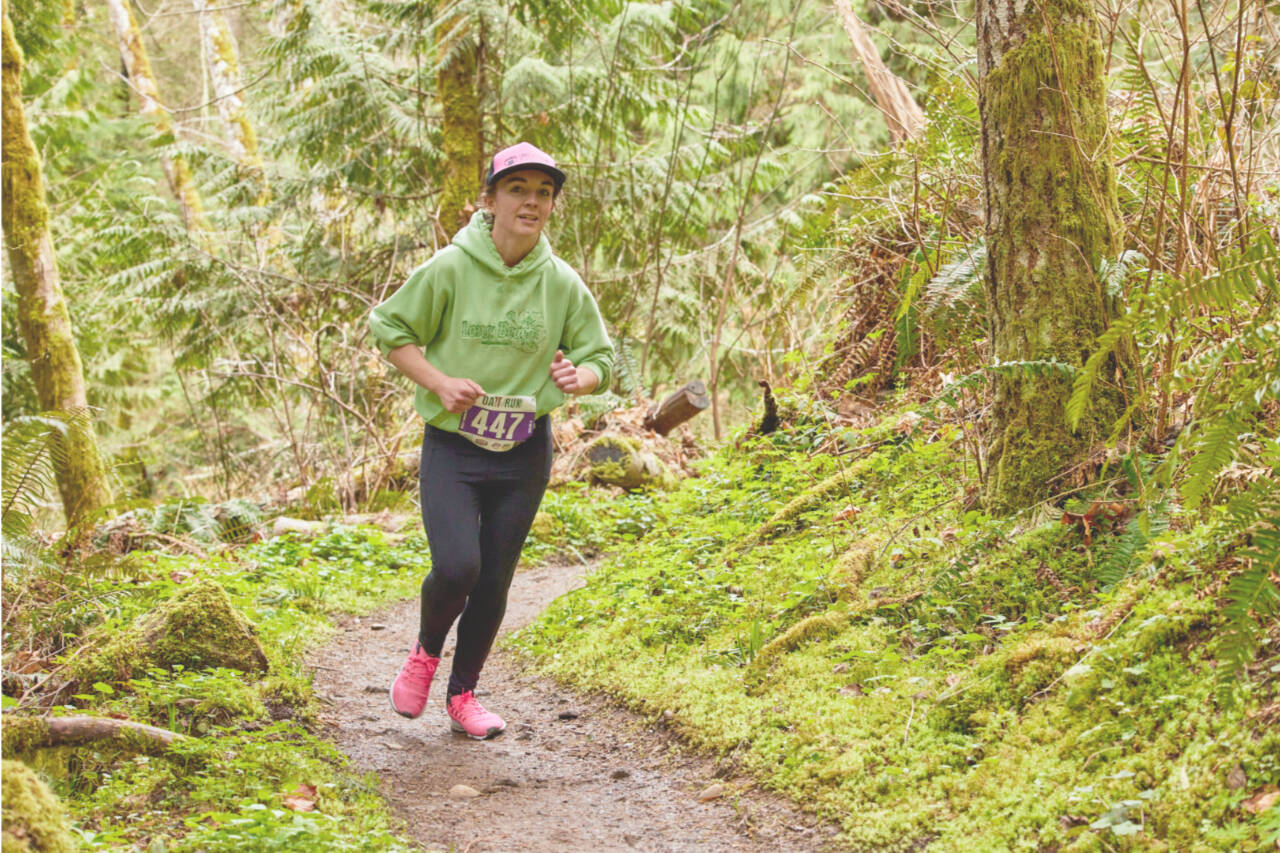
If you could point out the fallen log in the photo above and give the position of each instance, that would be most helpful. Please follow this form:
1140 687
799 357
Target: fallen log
27 734
677 408
302 527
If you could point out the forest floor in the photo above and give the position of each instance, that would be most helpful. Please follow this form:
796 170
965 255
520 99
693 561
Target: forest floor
572 772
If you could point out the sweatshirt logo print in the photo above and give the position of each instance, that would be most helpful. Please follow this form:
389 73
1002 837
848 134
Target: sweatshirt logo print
524 331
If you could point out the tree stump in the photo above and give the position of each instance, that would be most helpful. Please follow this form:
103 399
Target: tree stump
620 461
677 408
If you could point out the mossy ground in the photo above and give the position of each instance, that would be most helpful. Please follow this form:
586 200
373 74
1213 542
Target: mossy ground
970 684
253 735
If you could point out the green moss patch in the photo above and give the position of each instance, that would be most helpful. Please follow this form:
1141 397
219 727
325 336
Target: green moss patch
922 674
34 819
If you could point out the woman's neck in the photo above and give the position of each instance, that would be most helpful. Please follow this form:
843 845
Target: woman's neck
513 248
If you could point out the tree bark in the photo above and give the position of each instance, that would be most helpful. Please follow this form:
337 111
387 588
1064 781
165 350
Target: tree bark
903 114
459 53
134 54
42 311
222 58
1052 216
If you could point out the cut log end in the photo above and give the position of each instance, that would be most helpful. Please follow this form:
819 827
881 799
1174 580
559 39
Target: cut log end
678 407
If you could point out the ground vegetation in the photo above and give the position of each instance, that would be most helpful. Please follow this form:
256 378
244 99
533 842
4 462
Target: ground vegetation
838 598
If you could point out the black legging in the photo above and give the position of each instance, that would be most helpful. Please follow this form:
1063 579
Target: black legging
477 507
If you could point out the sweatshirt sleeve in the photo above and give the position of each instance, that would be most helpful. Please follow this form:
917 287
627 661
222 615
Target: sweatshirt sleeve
586 343
412 314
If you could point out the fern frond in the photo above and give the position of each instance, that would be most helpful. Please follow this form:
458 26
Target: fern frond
33 446
1214 450
956 282
1119 557
1082 386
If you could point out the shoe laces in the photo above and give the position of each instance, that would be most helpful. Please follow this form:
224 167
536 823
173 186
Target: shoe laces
421 665
466 705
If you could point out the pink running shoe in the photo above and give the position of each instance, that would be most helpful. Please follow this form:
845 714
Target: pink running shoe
409 690
469 716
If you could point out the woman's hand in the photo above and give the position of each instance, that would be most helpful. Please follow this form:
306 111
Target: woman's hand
570 379
456 394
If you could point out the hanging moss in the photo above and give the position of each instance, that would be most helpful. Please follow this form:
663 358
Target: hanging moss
34 819
197 628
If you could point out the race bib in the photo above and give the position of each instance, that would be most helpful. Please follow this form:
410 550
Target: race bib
498 423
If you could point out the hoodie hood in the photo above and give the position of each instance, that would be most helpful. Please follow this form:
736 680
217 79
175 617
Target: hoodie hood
477 241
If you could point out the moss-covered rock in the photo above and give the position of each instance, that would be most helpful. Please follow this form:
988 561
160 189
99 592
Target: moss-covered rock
546 528
198 628
34 819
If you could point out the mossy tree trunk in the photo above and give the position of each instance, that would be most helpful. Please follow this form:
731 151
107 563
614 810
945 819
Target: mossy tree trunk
1052 216
460 56
222 57
134 55
42 311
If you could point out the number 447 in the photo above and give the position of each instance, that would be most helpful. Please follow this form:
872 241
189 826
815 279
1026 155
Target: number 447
481 423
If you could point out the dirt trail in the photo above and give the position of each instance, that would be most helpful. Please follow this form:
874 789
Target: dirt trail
571 773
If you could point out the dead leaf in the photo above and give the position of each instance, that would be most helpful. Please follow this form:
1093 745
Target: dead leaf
1261 801
908 422
302 799
848 513
26 662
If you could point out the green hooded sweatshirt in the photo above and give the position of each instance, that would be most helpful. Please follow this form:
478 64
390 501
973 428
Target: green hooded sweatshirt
477 318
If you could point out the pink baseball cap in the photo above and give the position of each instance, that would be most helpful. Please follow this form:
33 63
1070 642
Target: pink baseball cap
522 156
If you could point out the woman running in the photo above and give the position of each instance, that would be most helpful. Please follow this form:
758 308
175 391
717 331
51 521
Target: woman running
508 330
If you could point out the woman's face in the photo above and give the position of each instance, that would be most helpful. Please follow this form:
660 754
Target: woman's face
522 202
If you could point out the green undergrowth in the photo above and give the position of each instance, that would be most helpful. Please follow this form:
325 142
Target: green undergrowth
254 774
843 628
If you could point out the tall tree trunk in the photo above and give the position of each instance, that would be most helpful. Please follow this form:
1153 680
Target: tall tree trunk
42 311
134 54
1052 215
459 49
901 112
223 60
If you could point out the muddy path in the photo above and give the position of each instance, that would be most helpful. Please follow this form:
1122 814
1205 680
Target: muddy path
571 772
